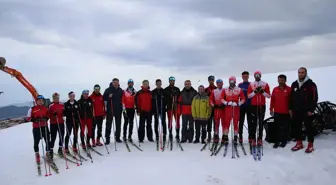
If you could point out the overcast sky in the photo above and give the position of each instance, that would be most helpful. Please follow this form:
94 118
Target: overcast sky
65 45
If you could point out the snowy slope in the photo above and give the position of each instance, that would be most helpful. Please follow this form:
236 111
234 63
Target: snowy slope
191 167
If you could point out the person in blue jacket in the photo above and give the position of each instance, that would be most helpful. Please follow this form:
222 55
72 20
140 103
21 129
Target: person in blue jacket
244 109
113 106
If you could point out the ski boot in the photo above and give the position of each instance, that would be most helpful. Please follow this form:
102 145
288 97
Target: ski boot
37 157
260 143
225 139
93 142
107 141
50 154
241 139
204 141
75 150
66 151
216 138
170 137
276 145
196 141
83 146
151 140
130 139
118 140
98 143
177 137
310 148
124 139
283 144
298 146
235 140
59 151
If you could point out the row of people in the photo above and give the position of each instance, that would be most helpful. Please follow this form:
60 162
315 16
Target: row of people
213 104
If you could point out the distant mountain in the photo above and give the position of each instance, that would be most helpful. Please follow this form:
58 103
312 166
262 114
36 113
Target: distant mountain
13 111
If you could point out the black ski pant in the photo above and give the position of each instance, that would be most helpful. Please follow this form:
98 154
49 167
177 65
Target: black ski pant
210 126
97 122
187 127
38 134
157 119
244 111
109 122
129 121
145 122
69 127
258 115
300 117
54 129
281 122
201 128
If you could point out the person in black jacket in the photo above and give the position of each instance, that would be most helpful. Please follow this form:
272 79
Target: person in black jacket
173 93
159 110
86 117
113 102
303 102
71 107
187 95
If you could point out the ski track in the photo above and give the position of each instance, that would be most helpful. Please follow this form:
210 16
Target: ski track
150 167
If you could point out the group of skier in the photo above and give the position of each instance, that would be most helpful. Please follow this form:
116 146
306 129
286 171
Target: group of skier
199 109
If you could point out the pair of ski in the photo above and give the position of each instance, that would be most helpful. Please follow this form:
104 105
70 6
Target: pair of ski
178 143
256 151
133 144
50 162
162 147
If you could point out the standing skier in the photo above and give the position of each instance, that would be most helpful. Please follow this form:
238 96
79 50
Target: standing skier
128 103
113 104
99 114
208 90
159 110
85 116
279 108
258 91
39 116
233 97
303 103
55 114
201 111
245 108
185 99
143 100
71 108
173 93
218 106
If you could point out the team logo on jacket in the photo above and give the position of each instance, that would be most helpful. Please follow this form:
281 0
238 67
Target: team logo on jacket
89 104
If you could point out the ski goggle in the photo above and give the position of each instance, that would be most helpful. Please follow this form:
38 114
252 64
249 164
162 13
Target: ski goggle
219 81
97 88
85 92
211 78
232 81
130 81
40 97
171 78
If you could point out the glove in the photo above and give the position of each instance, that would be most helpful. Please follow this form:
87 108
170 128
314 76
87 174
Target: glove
55 113
256 91
230 103
262 91
259 89
234 104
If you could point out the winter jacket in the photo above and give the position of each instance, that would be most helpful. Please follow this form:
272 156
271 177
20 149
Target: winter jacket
143 100
55 113
244 86
200 107
85 108
128 98
116 100
38 115
209 89
71 111
234 94
280 100
258 99
186 97
159 101
173 93
304 96
215 98
98 104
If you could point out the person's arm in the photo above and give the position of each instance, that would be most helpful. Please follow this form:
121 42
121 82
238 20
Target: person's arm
312 97
267 92
241 98
250 92
272 102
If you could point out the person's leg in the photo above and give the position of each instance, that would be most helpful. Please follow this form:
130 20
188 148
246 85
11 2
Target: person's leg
141 130
130 114
184 128
149 129
191 128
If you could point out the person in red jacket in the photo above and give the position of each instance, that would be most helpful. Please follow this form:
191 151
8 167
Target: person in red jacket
216 103
39 116
257 91
186 96
232 97
208 90
143 100
279 108
99 113
128 109
55 114
85 115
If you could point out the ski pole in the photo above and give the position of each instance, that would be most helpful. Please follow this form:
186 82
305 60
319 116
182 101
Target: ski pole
114 134
76 135
61 138
68 133
94 119
46 139
232 132
85 136
136 122
43 153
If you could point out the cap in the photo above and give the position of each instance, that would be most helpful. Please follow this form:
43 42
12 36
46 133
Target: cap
85 91
211 78
40 97
219 81
130 81
257 72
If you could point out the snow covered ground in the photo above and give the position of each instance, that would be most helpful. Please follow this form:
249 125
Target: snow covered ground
190 167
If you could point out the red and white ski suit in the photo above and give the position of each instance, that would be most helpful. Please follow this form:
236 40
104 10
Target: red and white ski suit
215 99
233 98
